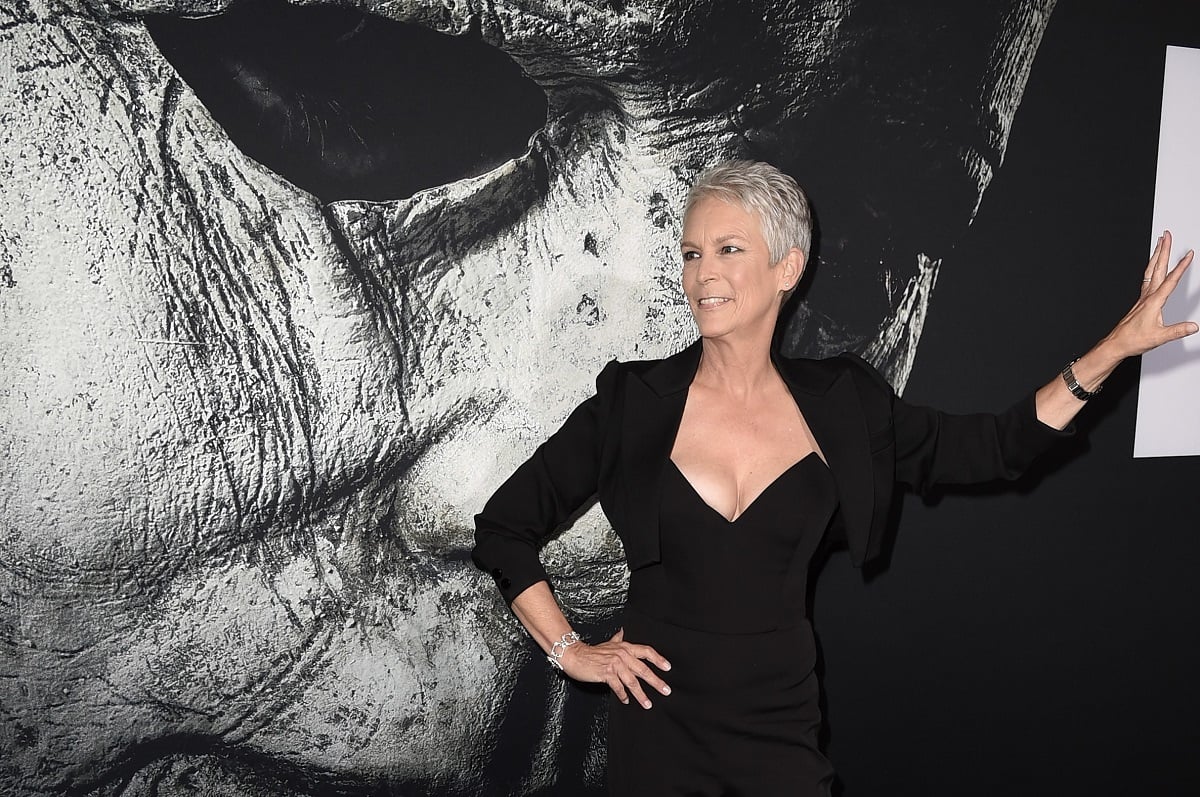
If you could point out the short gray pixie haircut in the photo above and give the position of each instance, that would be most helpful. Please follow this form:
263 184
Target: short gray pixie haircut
760 188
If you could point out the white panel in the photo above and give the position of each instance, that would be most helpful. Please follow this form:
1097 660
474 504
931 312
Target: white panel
1168 413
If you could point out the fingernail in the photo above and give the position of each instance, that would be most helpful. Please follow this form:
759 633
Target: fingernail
625 700
666 690
647 704
666 665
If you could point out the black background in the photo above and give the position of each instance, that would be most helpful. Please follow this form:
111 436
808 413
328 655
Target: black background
1039 639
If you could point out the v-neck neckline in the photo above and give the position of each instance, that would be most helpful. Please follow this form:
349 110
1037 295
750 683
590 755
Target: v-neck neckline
734 520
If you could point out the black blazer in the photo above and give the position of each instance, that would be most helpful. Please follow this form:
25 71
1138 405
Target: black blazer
616 445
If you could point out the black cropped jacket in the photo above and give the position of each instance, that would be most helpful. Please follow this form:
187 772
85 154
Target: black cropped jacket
616 444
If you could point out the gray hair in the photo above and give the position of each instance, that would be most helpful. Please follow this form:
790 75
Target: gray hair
761 189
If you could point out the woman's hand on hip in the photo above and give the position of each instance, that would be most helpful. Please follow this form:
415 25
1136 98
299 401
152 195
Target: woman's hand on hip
620 664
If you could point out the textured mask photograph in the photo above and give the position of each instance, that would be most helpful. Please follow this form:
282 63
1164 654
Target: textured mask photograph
288 289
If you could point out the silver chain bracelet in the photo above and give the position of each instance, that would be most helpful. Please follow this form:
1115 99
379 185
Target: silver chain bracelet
559 648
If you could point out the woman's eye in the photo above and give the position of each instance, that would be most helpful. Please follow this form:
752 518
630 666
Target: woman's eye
690 256
729 249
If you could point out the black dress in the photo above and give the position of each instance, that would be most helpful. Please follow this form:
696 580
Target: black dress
730 616
726 606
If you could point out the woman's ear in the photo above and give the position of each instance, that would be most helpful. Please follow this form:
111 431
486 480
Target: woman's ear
793 268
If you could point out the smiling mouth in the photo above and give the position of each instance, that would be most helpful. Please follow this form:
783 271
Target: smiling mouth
713 301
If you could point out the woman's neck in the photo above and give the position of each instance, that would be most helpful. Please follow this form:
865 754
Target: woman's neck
738 367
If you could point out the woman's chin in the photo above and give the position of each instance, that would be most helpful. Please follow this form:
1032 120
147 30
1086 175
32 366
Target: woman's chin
710 330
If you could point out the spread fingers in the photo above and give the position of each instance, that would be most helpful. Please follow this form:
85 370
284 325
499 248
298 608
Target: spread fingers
651 655
634 687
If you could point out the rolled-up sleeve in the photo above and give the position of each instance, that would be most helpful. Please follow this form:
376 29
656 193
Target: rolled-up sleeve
546 490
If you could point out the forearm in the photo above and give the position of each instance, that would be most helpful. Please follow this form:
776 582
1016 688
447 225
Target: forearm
539 612
1056 405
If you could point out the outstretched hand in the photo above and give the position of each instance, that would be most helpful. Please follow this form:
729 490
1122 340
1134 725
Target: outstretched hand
1142 328
619 664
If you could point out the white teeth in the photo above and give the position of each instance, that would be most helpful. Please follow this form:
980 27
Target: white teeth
711 300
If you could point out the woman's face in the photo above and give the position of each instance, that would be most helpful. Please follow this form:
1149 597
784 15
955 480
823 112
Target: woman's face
732 287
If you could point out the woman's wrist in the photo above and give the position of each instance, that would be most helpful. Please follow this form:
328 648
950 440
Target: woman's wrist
1092 368
558 648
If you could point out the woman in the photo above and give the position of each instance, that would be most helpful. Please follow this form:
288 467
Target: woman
721 469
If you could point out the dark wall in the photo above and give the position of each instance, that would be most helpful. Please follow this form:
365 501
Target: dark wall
1038 641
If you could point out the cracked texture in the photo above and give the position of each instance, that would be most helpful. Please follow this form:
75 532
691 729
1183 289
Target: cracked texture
246 431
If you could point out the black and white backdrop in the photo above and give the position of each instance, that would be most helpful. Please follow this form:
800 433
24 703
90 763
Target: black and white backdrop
285 291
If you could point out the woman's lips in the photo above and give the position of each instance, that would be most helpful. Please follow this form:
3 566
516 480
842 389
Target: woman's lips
711 302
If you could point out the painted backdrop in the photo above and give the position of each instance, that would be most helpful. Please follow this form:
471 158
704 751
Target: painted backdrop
285 291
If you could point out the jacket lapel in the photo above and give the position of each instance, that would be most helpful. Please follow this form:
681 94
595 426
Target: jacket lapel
654 401
830 404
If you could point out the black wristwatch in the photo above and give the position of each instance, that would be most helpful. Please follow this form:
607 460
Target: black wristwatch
1073 384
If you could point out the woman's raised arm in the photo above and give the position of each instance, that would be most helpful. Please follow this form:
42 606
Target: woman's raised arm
1141 330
